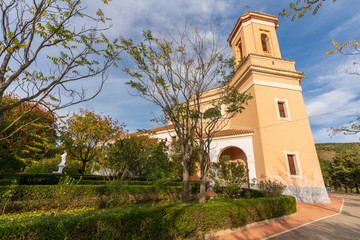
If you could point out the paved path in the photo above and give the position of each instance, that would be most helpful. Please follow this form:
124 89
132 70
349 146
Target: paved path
306 213
343 226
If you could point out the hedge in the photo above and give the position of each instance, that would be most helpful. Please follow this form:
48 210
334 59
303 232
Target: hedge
46 197
172 221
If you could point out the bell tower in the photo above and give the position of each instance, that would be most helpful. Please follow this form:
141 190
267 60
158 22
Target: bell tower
284 148
255 33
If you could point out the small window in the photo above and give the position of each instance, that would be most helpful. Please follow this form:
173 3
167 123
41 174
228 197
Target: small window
239 50
282 108
291 162
265 43
173 139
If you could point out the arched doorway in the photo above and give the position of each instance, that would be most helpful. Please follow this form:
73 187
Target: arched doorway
235 154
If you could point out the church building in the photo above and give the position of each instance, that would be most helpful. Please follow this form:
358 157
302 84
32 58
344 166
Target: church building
272 136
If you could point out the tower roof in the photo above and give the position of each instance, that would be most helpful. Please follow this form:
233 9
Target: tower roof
252 15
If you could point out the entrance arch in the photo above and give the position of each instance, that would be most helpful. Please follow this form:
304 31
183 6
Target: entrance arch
235 154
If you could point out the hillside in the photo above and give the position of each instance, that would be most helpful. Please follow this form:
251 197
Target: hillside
327 151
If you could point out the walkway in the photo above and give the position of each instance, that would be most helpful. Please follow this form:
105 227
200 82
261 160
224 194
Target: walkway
306 213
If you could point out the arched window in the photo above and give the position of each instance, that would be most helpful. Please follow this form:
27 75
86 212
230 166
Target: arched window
265 43
212 113
239 50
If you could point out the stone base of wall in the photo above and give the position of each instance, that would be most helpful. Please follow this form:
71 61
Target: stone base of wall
308 194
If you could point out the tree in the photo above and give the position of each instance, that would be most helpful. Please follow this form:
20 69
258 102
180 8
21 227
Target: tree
229 103
33 141
345 167
173 71
300 8
84 132
138 157
352 128
45 47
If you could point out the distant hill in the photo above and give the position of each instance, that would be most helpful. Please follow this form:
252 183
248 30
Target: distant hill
327 151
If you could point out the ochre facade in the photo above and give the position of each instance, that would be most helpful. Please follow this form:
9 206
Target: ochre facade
272 135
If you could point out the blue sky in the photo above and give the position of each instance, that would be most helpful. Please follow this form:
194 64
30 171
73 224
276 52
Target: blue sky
331 95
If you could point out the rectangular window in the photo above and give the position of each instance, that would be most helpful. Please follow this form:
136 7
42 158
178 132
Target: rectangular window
173 138
292 166
282 109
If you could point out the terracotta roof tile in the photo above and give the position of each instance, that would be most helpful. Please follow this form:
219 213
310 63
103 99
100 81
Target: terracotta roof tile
232 132
222 133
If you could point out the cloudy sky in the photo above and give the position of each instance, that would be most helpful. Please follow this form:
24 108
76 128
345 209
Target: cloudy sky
331 95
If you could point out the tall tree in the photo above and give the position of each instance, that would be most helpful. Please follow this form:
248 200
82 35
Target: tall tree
84 132
173 71
45 47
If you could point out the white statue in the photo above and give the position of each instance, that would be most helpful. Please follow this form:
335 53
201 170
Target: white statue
63 158
62 163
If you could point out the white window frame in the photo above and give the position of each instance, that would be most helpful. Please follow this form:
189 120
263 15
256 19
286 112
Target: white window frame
296 162
286 108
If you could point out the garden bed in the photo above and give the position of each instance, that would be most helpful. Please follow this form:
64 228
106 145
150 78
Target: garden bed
147 221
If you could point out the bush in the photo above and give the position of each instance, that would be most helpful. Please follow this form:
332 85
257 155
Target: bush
228 177
271 188
46 165
171 221
39 178
46 197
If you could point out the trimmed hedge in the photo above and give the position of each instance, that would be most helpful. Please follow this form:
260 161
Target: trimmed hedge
46 197
173 221
49 178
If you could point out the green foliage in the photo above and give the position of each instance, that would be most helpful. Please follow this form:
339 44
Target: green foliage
35 136
340 164
271 188
71 196
229 176
49 30
7 195
353 127
83 133
165 221
138 157
298 8
45 165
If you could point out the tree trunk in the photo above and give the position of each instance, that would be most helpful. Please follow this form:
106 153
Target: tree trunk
202 197
346 189
357 188
185 189
83 169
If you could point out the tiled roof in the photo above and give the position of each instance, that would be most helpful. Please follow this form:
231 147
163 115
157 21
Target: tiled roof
158 129
222 133
232 132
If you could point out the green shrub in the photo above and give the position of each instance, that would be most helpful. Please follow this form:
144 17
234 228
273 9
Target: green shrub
39 178
229 177
171 221
46 165
271 188
46 197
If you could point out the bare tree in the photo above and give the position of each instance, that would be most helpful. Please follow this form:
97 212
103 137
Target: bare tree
46 47
174 71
